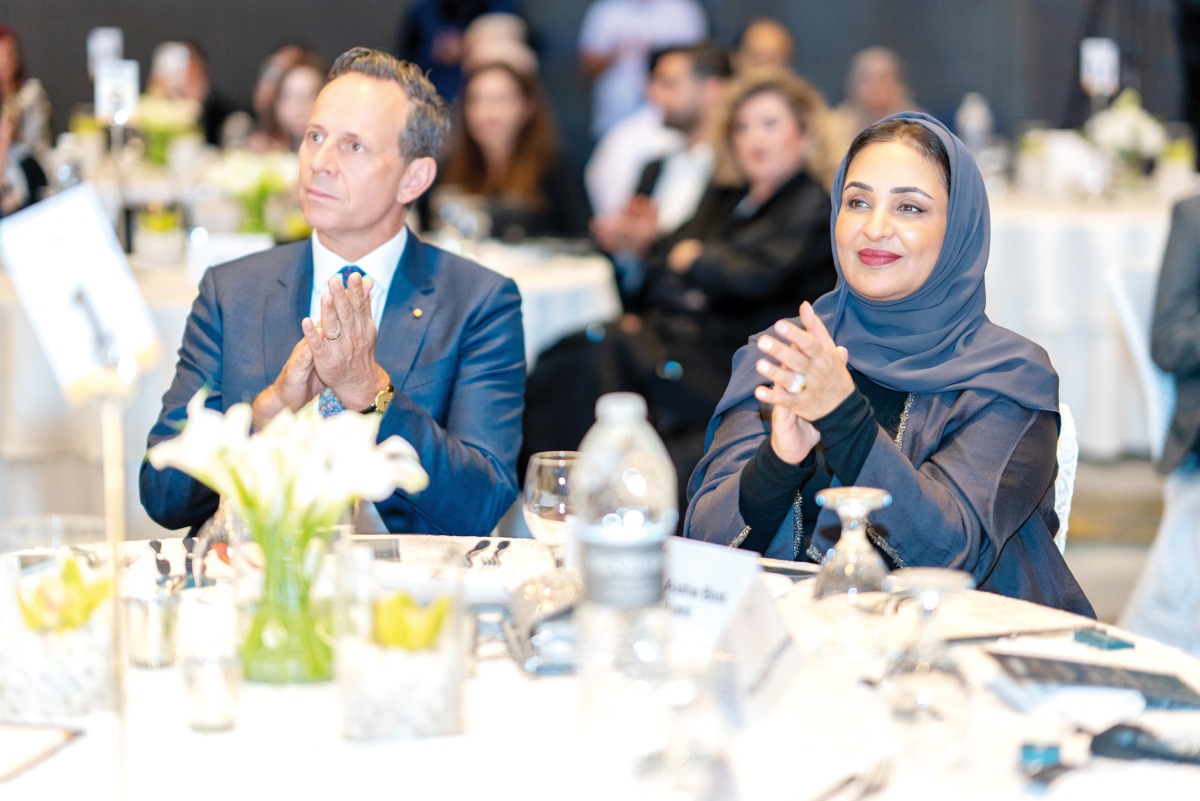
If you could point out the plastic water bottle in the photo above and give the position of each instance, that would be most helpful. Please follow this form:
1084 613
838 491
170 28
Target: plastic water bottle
624 495
973 122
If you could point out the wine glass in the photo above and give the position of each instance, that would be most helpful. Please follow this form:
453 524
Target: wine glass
544 502
923 686
853 566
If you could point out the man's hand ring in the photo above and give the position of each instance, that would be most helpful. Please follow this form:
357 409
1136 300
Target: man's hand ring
333 339
798 384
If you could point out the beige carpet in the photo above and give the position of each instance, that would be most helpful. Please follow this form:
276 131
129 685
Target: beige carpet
1114 517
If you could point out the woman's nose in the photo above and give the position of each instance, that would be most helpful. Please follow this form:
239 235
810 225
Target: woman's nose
878 225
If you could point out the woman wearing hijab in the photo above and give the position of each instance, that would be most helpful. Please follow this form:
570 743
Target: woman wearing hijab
897 380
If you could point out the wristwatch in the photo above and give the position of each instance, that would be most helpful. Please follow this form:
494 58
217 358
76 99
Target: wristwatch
383 399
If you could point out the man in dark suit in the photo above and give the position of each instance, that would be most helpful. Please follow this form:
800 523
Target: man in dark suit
432 342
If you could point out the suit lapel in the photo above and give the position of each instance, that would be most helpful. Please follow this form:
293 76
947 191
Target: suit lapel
410 306
284 308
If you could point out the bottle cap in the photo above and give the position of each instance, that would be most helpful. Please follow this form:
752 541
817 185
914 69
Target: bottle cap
621 406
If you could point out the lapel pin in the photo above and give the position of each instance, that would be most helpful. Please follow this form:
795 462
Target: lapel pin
417 312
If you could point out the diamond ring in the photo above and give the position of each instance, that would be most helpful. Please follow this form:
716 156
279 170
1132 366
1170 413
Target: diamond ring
798 383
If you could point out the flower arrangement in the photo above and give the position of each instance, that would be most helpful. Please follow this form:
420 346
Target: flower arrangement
1126 130
254 179
160 120
291 483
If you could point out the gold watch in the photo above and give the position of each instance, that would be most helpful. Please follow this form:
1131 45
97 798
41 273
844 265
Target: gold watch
383 399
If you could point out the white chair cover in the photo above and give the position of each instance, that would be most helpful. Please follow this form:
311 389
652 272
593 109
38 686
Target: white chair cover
1131 289
1064 484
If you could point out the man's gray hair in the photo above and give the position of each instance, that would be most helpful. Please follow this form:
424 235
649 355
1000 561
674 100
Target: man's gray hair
428 120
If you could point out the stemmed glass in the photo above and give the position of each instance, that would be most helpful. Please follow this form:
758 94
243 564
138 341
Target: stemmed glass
544 502
853 567
923 687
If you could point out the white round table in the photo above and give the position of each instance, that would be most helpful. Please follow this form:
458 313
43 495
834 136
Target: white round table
523 738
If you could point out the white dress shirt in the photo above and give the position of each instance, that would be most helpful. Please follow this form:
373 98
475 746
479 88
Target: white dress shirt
681 184
379 265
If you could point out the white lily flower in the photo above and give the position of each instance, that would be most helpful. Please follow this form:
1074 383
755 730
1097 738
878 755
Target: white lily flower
302 469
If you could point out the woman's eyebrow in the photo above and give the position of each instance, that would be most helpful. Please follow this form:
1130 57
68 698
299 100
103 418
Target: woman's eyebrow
903 190
899 190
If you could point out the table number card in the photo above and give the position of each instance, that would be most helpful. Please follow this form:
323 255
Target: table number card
1099 67
77 290
115 93
718 600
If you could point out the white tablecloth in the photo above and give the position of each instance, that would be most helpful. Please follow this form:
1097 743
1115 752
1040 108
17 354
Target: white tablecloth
50 454
1045 281
523 739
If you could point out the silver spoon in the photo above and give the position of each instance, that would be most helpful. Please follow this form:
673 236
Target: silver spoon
468 557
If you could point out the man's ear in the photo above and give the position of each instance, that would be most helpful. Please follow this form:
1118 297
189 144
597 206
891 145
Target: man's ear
418 176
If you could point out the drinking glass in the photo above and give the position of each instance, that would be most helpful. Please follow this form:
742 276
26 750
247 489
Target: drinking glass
923 687
402 641
544 502
208 655
854 566
56 618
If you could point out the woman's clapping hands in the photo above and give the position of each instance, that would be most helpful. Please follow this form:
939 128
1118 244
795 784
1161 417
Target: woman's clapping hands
809 352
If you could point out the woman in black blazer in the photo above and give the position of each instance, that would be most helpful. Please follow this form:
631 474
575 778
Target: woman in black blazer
758 245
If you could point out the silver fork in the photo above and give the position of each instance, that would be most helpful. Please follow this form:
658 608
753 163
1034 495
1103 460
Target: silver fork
493 559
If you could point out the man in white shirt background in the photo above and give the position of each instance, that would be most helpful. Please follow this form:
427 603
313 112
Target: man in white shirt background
615 43
688 84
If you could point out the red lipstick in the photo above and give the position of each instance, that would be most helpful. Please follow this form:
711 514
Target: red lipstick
877 258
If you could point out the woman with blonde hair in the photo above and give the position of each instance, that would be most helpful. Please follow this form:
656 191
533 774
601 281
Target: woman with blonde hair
759 239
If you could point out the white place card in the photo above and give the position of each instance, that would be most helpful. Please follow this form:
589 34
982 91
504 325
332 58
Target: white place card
705 587
1099 67
78 292
116 90
718 600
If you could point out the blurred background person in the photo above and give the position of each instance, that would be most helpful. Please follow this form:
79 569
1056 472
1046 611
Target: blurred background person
759 240
431 35
23 98
22 179
179 69
688 85
1165 603
876 87
282 123
498 36
616 39
269 72
763 43
24 128
506 156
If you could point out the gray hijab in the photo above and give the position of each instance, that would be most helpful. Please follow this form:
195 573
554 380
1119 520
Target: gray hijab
939 338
